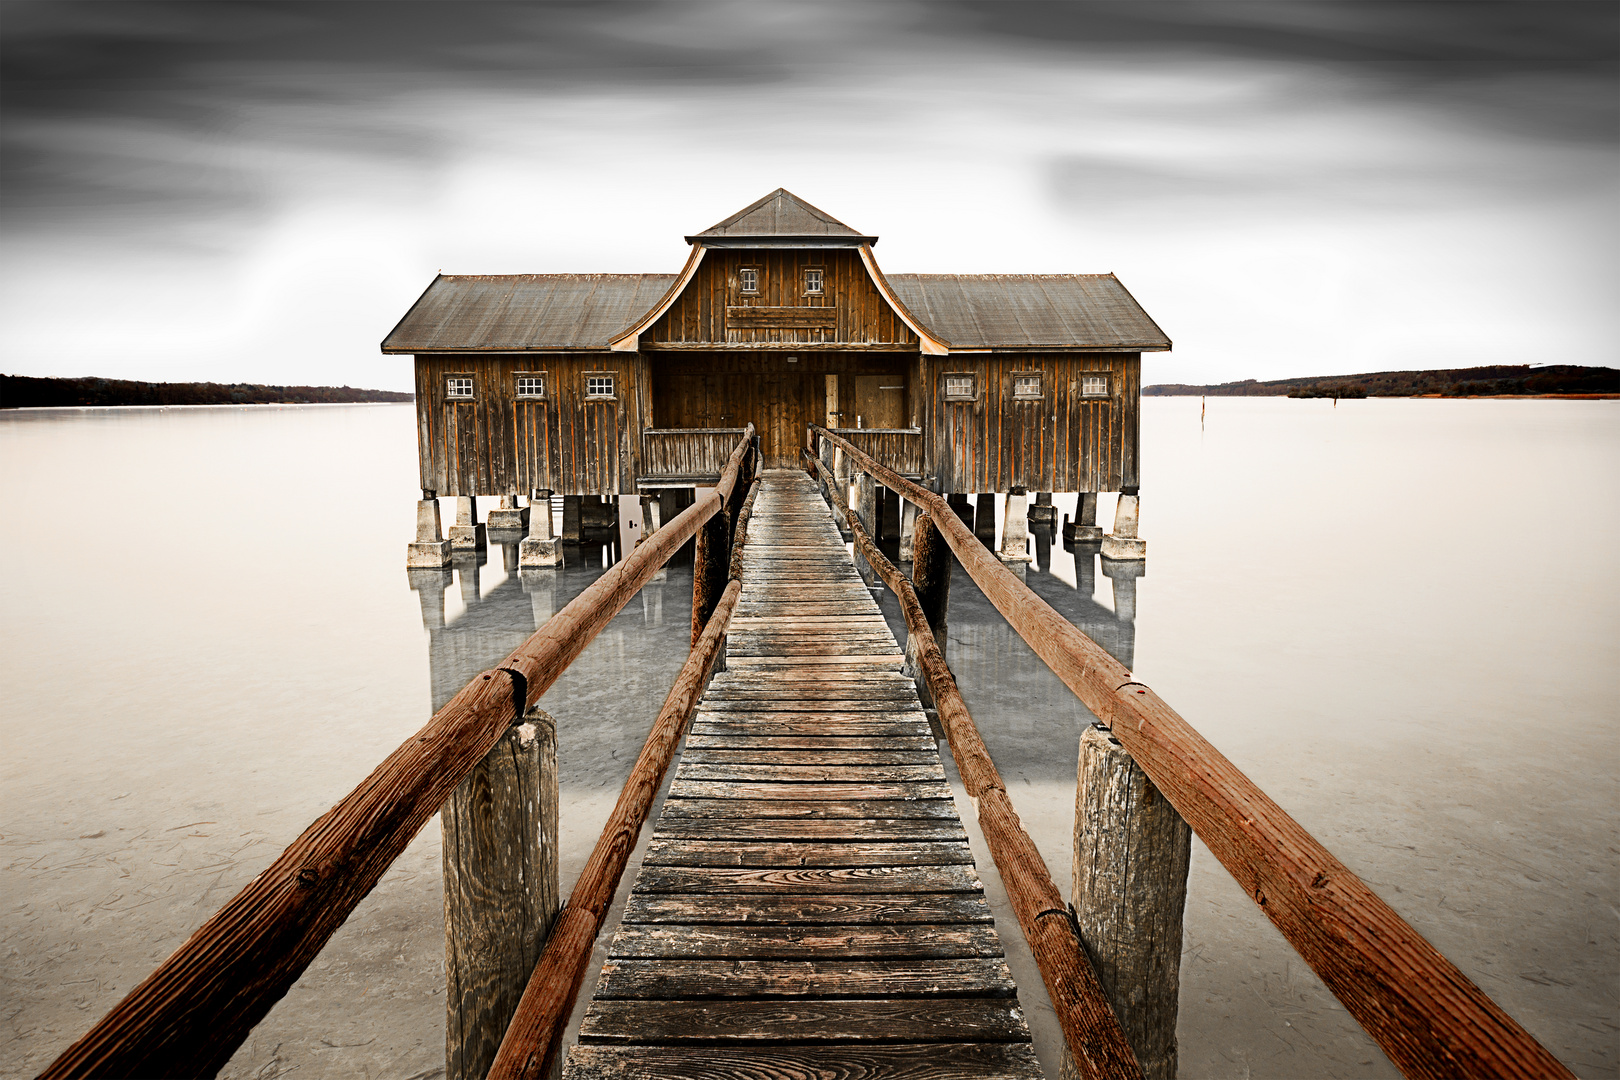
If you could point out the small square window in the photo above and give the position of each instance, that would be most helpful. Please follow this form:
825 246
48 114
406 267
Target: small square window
748 279
959 387
599 386
532 385
812 282
459 387
1027 386
1094 386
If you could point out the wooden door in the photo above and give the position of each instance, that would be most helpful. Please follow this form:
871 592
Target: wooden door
880 402
786 404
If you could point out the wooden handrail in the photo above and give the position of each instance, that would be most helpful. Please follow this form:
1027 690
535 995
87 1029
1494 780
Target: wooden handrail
1095 1039
1429 1017
189 1016
534 1036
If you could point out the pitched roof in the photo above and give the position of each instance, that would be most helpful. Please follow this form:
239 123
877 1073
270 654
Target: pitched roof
780 218
1008 311
501 312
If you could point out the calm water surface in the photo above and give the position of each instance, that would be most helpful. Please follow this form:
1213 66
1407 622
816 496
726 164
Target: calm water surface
1399 617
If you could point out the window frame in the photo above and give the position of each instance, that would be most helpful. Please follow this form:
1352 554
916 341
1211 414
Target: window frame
759 282
517 385
613 381
472 386
1040 386
821 281
948 396
1107 381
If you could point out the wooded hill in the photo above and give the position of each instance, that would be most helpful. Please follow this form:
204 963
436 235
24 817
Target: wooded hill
27 392
1449 382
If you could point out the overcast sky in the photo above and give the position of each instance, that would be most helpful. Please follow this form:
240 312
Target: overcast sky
257 192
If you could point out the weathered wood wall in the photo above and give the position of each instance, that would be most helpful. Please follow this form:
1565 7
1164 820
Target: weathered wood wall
499 444
691 454
713 310
901 449
723 389
1060 442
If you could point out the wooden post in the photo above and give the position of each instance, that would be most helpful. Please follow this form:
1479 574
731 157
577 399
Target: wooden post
841 472
889 526
500 889
865 508
984 518
711 563
931 581
1131 852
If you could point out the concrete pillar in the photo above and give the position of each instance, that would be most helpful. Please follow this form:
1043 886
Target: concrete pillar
540 548
430 549
1123 573
1084 526
652 515
508 515
958 501
1015 528
572 515
984 518
1123 543
1043 512
467 534
908 530
429 586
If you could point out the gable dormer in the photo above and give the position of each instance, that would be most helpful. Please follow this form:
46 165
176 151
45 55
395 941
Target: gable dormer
780 274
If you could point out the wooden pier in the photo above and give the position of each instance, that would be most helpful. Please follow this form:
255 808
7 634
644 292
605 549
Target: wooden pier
808 903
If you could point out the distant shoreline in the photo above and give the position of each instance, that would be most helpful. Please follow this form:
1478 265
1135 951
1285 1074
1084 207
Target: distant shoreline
38 392
1500 380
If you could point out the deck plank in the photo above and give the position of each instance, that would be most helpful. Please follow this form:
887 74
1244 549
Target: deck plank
807 905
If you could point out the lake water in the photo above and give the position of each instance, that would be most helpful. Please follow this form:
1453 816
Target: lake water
1399 617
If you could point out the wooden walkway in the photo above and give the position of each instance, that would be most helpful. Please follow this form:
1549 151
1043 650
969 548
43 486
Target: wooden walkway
808 905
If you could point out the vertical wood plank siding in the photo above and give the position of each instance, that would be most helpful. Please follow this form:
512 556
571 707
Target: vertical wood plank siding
685 453
1061 442
859 314
901 449
499 444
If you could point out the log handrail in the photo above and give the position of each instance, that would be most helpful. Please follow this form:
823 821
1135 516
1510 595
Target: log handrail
1426 1015
1092 1031
190 1015
534 1037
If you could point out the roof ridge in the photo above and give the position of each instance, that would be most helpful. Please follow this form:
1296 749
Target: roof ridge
775 203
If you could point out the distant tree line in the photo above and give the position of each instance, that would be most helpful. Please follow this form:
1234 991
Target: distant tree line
27 392
1447 382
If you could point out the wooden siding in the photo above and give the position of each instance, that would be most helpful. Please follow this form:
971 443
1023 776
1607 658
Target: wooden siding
901 449
729 389
850 312
500 444
1060 442
686 453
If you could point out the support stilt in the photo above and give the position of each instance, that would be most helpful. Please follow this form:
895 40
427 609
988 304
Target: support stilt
540 548
984 518
1043 513
1084 526
467 534
430 549
1015 528
572 507
908 530
509 516
1123 543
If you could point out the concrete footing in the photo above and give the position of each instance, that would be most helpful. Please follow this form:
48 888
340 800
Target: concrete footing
540 548
1123 544
429 550
1015 528
508 515
1043 512
467 534
1084 526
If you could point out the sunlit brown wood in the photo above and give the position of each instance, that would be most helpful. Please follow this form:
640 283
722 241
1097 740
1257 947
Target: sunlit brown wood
1427 1015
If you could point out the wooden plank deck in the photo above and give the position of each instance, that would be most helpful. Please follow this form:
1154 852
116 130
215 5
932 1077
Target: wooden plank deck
808 906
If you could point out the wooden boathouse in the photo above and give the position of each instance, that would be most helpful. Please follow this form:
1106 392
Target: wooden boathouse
606 386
